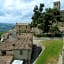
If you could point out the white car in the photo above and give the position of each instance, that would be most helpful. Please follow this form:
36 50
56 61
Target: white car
17 62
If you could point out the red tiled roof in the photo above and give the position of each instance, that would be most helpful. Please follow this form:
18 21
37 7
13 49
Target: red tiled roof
23 41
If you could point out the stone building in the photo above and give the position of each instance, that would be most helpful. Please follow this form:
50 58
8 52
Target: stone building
22 27
18 44
57 4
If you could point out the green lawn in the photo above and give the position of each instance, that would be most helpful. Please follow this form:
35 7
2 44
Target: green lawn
1 33
51 52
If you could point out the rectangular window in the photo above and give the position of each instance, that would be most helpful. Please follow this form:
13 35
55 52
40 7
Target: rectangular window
19 32
21 52
3 53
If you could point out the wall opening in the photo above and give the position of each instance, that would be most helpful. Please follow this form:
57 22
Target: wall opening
3 53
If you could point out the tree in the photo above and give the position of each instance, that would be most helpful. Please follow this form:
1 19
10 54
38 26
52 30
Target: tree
51 17
45 20
37 17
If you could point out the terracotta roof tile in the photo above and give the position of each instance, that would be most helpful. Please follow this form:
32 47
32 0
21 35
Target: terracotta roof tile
24 42
6 59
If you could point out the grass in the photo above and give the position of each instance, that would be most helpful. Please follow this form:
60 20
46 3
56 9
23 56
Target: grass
1 33
51 52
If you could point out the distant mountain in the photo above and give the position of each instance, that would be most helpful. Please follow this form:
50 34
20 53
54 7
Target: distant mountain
6 27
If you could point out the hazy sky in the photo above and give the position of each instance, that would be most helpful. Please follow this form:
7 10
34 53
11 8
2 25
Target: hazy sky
12 11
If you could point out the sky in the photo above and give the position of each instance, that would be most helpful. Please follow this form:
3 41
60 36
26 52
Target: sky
13 11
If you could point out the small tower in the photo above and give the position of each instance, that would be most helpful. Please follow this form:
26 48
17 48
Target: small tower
57 5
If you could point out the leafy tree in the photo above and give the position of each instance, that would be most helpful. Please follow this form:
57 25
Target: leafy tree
45 20
37 17
51 17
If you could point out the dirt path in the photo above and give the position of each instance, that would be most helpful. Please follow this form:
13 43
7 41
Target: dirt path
60 59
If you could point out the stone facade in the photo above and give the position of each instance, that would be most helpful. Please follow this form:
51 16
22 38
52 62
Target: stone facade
22 27
20 54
